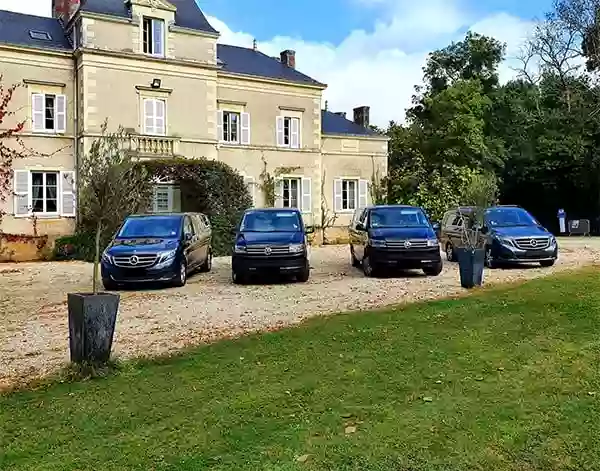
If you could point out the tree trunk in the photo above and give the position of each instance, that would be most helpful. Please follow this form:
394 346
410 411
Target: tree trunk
97 258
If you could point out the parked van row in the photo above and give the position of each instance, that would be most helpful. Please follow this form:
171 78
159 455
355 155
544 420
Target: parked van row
167 248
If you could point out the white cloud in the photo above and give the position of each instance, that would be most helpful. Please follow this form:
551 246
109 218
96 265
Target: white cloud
31 7
380 67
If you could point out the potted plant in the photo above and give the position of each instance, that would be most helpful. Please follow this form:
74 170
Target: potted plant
111 186
471 252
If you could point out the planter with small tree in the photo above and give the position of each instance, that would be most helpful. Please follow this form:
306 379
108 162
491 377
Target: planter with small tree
111 186
471 252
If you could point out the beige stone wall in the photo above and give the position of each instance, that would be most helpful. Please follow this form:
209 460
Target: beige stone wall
38 72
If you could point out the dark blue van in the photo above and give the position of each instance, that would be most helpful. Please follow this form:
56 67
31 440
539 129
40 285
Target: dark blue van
270 240
394 236
158 248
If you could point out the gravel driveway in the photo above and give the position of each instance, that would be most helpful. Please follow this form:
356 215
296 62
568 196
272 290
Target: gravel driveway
33 313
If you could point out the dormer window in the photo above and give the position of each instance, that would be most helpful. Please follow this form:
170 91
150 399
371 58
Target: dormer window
153 37
40 35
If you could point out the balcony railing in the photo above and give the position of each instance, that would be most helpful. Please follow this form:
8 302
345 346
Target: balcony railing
153 146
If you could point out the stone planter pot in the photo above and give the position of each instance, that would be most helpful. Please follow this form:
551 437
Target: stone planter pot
470 264
92 319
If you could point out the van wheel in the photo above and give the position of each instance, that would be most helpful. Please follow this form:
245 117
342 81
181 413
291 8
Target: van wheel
547 263
181 279
237 279
207 265
433 270
109 285
449 252
353 259
304 275
368 268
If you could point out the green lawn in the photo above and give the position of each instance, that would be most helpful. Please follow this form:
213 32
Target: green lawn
505 379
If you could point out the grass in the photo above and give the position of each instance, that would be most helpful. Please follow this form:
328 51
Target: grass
506 379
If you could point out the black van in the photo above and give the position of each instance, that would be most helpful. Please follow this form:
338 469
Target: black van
271 240
158 248
510 235
394 236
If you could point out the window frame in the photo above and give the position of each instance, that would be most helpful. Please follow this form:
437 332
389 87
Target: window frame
227 128
280 130
57 97
346 181
44 198
289 180
150 40
154 100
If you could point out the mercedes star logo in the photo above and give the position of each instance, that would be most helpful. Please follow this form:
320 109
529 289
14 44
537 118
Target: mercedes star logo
134 260
407 244
268 250
533 242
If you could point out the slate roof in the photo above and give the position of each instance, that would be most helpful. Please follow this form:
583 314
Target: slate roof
241 60
188 14
332 123
15 28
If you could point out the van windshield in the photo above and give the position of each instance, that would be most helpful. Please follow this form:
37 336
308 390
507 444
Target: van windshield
398 217
162 227
508 217
271 221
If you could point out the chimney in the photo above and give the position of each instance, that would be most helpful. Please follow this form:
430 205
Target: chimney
341 113
64 9
288 57
361 116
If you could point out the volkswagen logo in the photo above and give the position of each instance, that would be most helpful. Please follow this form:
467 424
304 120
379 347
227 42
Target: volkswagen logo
533 242
407 244
268 250
134 260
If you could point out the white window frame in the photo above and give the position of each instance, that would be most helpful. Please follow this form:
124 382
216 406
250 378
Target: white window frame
243 127
338 194
250 182
298 191
38 117
151 40
227 124
304 195
294 137
170 188
44 198
154 116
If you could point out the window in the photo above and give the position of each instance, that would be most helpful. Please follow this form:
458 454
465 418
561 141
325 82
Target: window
288 132
154 116
291 192
153 37
165 199
44 192
40 35
349 194
48 112
231 126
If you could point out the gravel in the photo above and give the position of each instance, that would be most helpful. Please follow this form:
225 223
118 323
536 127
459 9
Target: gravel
33 312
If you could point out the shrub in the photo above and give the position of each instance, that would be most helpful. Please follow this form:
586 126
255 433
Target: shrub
79 246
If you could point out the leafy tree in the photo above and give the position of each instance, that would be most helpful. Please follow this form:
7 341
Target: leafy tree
112 186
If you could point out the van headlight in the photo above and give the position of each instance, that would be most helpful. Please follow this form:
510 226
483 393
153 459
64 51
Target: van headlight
377 243
239 248
166 258
296 248
107 258
432 243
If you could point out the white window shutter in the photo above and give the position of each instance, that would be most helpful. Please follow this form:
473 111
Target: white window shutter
67 189
220 126
295 133
158 36
337 195
60 113
363 189
280 131
245 128
160 117
306 195
279 192
249 181
148 116
22 188
37 111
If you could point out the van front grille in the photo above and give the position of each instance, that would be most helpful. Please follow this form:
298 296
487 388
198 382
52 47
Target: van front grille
532 243
135 260
406 244
264 249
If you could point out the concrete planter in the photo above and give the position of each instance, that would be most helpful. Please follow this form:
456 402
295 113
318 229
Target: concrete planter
92 319
470 265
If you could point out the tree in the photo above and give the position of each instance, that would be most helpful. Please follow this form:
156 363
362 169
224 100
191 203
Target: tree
112 186
11 145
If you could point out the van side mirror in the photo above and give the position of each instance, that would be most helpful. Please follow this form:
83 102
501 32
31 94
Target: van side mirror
360 227
435 225
484 230
187 237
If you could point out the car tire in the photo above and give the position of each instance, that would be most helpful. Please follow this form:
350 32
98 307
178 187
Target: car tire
489 259
449 252
369 269
433 270
547 263
304 275
109 285
181 279
353 259
237 279
207 265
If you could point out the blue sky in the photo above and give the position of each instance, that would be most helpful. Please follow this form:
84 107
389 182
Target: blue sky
369 52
